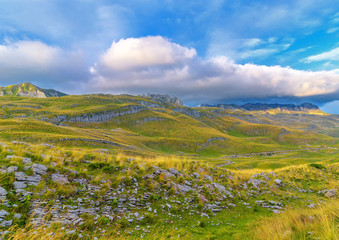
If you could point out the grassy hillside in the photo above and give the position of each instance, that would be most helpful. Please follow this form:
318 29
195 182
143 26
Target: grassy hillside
165 127
132 167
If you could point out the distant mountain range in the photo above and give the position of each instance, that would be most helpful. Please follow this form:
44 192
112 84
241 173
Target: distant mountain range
265 107
29 90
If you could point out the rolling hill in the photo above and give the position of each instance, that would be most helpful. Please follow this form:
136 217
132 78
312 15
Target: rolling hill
130 167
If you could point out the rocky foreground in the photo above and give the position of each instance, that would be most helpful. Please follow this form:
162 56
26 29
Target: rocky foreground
75 189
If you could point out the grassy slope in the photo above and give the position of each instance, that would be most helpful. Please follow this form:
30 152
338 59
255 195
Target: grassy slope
175 132
288 141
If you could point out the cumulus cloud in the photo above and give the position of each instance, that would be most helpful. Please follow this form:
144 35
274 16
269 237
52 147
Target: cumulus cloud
35 61
154 64
325 56
144 52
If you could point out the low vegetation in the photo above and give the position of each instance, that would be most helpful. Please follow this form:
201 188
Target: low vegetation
125 167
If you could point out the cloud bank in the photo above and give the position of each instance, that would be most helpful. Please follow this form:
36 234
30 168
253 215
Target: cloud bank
157 65
154 64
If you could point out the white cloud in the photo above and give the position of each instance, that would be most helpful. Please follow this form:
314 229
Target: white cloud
272 39
144 52
253 42
35 61
179 71
27 54
258 53
325 56
332 30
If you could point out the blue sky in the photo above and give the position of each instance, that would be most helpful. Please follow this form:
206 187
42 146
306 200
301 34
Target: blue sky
201 51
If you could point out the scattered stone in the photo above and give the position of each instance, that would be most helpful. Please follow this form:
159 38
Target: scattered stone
208 177
47 145
3 213
19 185
39 169
26 161
329 193
174 171
17 216
6 223
20 176
26 168
73 172
148 176
255 182
70 232
12 169
278 182
219 187
22 143
196 175
184 188
59 178
3 193
33 180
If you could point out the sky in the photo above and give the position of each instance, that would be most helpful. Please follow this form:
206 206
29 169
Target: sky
217 51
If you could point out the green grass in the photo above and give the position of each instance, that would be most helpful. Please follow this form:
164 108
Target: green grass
252 142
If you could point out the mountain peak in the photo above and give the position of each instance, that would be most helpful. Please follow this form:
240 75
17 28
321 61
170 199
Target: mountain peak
29 90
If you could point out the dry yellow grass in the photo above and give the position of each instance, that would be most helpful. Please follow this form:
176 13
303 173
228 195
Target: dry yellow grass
319 223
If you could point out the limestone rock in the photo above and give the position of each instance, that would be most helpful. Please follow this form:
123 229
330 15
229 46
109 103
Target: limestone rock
255 182
3 213
6 223
12 169
17 216
329 193
39 169
3 192
59 178
19 185
208 177
173 171
278 182
26 161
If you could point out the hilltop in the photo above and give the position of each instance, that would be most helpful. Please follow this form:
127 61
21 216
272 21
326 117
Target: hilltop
29 90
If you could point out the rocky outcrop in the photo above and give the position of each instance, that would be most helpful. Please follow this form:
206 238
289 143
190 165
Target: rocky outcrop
163 99
98 117
189 112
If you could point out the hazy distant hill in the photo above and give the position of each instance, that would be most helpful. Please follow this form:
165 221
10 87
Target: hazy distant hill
305 107
29 90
